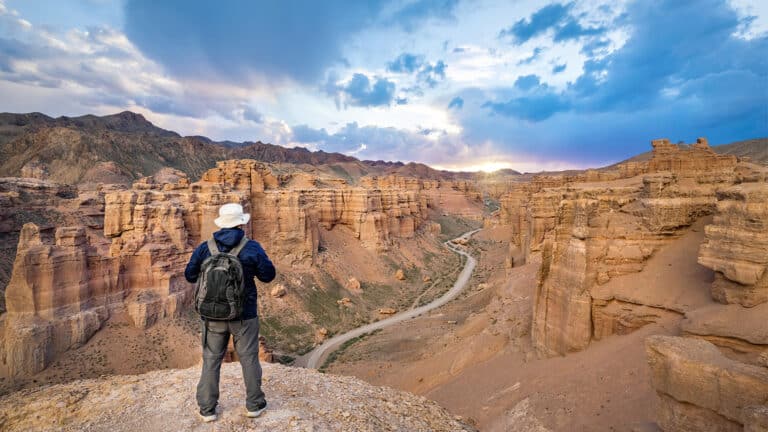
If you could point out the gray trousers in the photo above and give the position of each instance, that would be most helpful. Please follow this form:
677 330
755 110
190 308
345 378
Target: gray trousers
246 336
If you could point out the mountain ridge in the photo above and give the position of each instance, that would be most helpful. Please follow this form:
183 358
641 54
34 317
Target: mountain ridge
128 146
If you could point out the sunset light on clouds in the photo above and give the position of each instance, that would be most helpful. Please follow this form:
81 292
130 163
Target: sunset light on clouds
458 84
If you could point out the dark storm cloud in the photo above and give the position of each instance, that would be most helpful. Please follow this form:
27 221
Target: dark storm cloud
237 39
682 73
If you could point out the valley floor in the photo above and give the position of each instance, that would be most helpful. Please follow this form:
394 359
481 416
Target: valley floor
474 356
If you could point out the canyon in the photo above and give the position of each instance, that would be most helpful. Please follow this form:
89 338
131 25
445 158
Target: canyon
650 275
67 281
628 298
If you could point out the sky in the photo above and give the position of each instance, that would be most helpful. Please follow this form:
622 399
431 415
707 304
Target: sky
457 84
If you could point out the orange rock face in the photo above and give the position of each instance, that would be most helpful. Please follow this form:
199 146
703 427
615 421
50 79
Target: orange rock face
598 225
67 281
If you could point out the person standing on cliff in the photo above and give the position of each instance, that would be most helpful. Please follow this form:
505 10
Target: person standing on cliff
245 328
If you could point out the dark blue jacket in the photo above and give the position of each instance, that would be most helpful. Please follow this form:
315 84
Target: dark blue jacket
255 262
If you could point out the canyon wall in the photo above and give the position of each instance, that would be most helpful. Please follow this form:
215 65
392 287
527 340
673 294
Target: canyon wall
596 226
68 279
715 378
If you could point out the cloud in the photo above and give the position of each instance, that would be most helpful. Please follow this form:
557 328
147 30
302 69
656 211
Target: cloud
426 73
414 12
456 102
556 17
556 69
101 71
682 72
243 40
535 108
383 143
534 55
432 73
362 91
405 63
527 82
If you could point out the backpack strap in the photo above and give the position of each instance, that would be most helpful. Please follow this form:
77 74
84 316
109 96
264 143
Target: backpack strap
212 248
240 246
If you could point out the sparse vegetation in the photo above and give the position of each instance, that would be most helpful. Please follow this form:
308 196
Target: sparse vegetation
332 357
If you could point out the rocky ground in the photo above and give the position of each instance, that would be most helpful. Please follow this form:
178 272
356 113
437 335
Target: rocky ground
299 400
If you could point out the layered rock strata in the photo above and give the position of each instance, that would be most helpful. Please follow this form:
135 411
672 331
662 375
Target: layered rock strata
737 245
716 378
701 390
592 232
67 280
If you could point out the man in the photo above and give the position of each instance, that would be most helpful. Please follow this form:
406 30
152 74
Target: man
245 329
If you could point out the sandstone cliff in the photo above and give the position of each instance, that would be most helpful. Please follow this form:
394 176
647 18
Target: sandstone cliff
737 245
299 400
716 378
701 390
67 280
596 226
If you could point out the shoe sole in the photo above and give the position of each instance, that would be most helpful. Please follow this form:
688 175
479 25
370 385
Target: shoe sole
208 419
254 414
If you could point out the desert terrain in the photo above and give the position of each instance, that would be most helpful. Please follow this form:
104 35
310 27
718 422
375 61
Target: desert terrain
630 297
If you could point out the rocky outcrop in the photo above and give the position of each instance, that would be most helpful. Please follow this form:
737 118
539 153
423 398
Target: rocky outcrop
716 378
733 327
702 390
299 400
57 298
596 230
699 157
737 245
66 281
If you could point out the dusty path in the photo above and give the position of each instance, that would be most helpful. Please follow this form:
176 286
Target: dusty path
315 358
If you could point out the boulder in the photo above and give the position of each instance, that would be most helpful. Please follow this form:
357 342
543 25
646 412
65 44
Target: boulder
700 389
278 291
353 286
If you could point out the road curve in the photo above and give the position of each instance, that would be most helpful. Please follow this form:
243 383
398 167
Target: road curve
315 357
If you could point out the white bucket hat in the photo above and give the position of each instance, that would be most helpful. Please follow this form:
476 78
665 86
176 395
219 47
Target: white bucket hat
231 215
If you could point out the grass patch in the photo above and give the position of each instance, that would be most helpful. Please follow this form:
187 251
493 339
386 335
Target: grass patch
453 226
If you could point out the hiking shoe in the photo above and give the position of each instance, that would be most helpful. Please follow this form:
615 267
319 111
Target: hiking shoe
208 418
257 412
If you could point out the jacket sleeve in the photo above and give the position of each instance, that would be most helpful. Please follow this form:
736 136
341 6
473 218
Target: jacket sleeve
193 266
265 270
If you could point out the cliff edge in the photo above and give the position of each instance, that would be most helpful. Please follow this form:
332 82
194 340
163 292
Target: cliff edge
299 400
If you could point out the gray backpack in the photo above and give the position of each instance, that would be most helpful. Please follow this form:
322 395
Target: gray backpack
219 293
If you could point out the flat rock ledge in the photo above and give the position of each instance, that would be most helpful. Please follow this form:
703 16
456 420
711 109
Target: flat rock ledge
299 400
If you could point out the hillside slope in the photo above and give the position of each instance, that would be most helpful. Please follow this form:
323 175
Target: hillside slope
123 147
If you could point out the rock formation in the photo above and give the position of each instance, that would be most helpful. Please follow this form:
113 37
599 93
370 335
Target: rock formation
299 400
716 378
66 281
702 390
596 226
737 245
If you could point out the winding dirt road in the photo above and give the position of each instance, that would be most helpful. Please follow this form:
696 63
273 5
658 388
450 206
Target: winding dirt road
316 357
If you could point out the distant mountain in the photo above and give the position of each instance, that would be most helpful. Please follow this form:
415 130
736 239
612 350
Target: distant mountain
756 149
126 146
